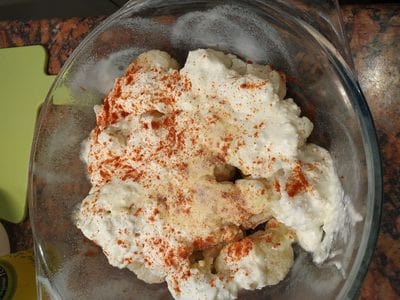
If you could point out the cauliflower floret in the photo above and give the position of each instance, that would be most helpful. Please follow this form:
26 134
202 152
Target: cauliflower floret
261 259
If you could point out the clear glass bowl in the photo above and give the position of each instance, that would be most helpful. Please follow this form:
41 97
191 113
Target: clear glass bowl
71 267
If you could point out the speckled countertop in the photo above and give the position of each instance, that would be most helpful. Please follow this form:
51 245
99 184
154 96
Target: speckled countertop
374 35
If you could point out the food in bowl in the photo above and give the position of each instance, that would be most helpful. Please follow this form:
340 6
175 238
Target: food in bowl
202 177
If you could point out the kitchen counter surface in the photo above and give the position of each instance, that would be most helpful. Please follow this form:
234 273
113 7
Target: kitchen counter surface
374 35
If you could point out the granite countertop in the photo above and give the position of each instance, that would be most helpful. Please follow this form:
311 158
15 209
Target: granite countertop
374 35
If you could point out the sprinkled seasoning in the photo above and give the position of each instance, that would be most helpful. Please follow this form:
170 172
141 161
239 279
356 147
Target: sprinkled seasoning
240 249
297 183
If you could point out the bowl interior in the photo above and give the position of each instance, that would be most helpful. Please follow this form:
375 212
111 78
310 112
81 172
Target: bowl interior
70 265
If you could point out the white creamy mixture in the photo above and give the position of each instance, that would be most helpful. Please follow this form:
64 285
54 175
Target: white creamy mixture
183 163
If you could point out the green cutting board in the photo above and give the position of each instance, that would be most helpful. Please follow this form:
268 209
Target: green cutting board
23 87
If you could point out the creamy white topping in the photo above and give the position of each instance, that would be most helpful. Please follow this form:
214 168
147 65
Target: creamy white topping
183 163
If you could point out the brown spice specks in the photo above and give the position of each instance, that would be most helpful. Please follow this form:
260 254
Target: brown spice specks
296 183
238 250
251 85
204 243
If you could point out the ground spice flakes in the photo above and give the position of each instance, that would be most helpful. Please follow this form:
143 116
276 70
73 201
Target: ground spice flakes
297 182
237 250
